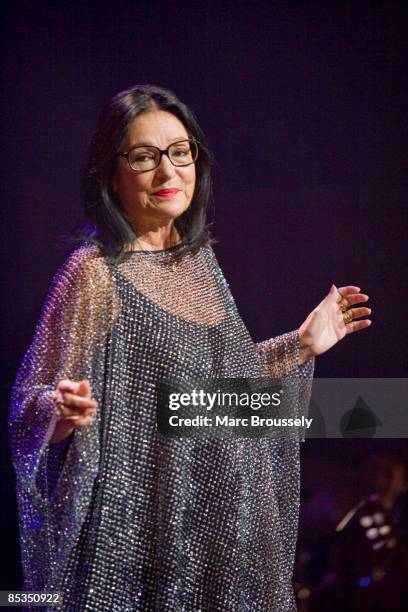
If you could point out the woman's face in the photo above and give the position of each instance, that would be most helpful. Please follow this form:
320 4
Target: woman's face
146 209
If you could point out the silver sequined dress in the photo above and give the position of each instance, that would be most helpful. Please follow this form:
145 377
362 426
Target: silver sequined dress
117 517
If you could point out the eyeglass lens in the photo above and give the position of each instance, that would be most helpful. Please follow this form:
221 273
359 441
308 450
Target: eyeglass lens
147 158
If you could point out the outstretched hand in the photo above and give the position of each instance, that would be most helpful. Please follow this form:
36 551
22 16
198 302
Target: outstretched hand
333 319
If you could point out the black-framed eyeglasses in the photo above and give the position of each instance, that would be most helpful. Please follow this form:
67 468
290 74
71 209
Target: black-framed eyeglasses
144 158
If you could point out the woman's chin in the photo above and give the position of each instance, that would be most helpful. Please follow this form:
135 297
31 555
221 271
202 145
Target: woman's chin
172 210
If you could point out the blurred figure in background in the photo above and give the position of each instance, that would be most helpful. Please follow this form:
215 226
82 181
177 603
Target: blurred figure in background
368 557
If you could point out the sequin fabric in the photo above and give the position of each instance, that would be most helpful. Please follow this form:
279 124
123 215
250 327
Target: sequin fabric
116 517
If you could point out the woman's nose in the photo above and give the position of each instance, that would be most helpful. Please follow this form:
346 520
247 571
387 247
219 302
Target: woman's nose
165 168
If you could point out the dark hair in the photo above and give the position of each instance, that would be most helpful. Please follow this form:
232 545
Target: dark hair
109 225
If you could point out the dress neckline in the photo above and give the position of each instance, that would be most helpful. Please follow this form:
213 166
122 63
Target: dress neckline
156 251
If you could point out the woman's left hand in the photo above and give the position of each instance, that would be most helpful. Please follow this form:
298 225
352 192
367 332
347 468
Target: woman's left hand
331 320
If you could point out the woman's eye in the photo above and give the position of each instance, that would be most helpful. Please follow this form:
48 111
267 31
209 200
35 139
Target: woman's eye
142 157
181 152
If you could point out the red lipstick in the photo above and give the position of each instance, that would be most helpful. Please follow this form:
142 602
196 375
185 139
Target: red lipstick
166 193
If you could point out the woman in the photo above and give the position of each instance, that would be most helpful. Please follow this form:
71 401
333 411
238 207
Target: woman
113 515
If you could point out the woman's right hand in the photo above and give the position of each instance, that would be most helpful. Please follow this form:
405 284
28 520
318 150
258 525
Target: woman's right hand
75 405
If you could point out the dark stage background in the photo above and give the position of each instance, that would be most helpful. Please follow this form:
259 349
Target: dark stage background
304 106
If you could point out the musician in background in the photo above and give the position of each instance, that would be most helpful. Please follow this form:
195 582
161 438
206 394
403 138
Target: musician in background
369 556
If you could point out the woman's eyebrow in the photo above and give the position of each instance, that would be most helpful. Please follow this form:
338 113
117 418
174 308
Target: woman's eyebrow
149 144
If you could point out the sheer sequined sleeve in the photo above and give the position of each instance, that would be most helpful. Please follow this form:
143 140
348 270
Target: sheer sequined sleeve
69 341
281 354
279 357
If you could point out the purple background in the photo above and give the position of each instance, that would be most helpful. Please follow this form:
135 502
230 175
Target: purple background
304 106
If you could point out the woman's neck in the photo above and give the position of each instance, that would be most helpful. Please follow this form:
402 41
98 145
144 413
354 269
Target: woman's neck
156 240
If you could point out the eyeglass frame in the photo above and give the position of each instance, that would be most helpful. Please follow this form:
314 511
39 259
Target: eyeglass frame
162 152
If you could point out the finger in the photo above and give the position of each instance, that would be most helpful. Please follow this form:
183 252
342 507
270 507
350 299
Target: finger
82 421
67 410
355 326
80 403
70 416
356 298
359 312
74 419
84 388
67 385
344 292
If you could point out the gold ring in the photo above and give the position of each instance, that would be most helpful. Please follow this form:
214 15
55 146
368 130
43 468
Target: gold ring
347 317
343 305
59 409
58 405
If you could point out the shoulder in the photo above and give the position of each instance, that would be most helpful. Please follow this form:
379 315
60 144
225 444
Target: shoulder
85 266
85 257
85 260
208 251
210 256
